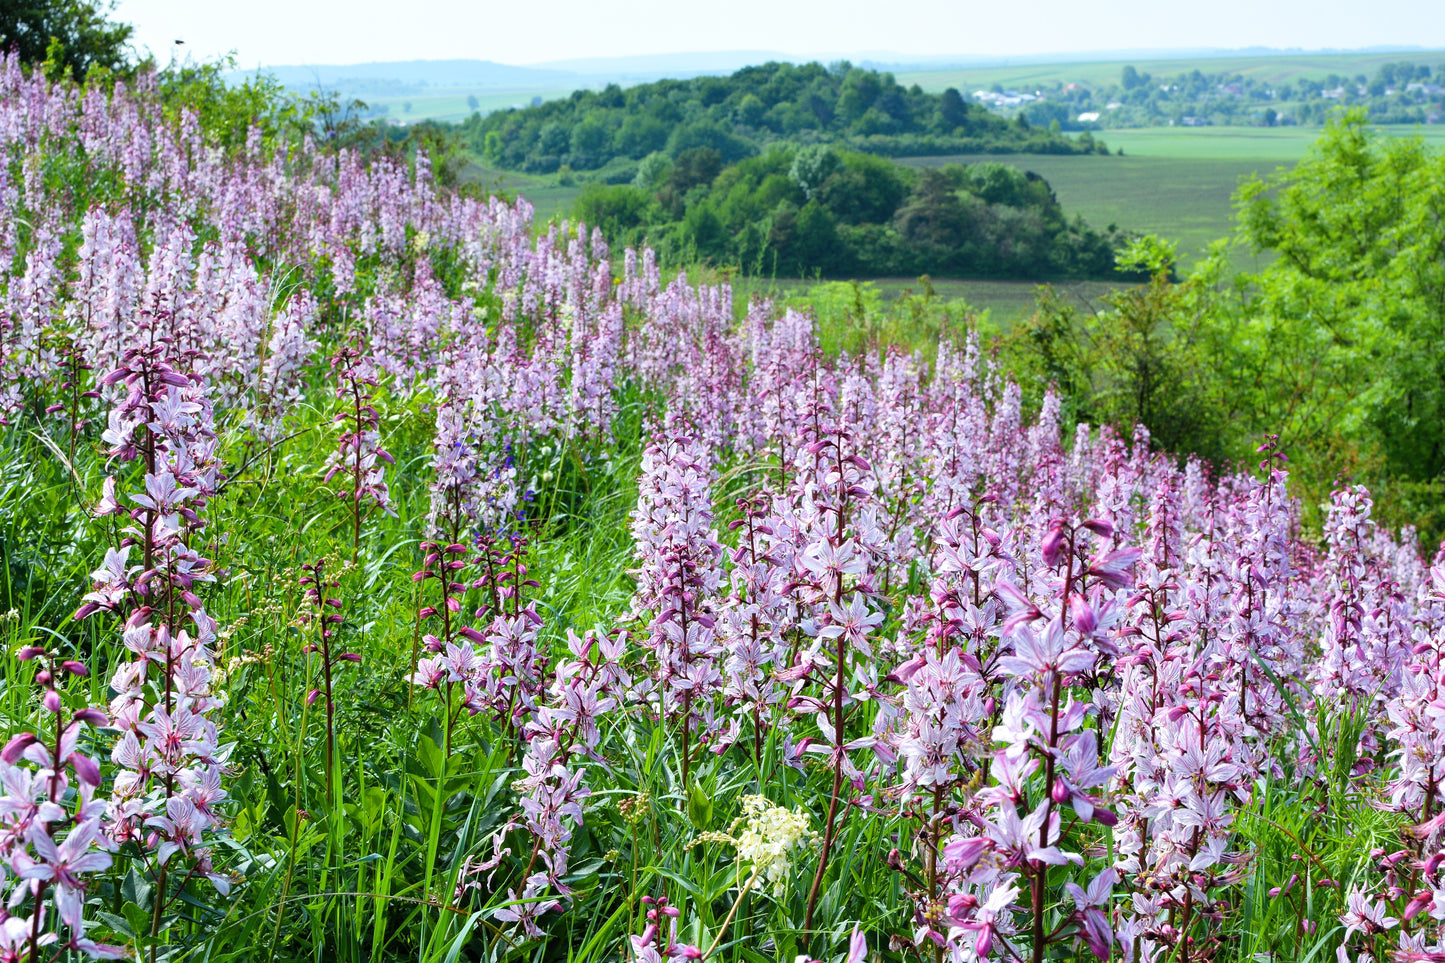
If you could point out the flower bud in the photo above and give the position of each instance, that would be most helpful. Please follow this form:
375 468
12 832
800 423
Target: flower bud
85 768
1053 546
16 747
91 716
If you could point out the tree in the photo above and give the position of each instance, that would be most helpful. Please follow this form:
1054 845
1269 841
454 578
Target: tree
702 232
86 35
811 166
1131 78
952 109
933 215
750 111
1358 228
472 103
860 89
589 143
619 209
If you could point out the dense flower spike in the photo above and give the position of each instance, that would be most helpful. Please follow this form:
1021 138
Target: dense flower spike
167 791
680 570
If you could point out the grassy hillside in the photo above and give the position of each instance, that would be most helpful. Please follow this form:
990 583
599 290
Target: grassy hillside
454 103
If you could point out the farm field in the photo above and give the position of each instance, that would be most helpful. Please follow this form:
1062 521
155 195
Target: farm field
451 103
1186 200
1177 183
388 576
1258 144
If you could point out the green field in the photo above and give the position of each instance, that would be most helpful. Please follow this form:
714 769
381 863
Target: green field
542 191
1274 68
1175 182
1255 144
1185 200
450 103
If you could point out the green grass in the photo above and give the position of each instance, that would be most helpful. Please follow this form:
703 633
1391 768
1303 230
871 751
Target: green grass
1271 68
1253 144
997 304
542 191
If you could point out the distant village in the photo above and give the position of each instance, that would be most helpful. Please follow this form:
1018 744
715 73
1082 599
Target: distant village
1401 93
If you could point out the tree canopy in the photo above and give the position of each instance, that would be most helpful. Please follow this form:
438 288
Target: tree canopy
739 115
86 36
820 210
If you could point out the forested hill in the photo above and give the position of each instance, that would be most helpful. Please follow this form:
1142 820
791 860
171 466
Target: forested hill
859 109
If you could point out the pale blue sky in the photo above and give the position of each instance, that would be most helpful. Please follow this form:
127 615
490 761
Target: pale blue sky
351 31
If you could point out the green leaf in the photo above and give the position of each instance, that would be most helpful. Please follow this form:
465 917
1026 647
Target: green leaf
699 807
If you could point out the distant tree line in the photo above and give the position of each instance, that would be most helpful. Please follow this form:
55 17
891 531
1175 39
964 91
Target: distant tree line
820 210
738 115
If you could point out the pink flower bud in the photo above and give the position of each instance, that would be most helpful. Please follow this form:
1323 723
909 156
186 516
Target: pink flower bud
312 696
1083 614
85 768
16 747
92 717
1053 546
52 701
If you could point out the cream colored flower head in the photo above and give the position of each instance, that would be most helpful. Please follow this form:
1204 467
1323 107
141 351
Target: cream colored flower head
767 838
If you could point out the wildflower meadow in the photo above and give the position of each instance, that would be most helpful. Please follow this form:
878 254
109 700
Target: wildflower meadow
389 577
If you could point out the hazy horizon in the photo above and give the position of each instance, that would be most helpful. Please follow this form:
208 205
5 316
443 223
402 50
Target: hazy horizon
328 32
706 59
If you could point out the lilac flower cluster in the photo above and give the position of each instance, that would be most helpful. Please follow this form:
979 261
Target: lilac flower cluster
52 835
679 573
166 793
